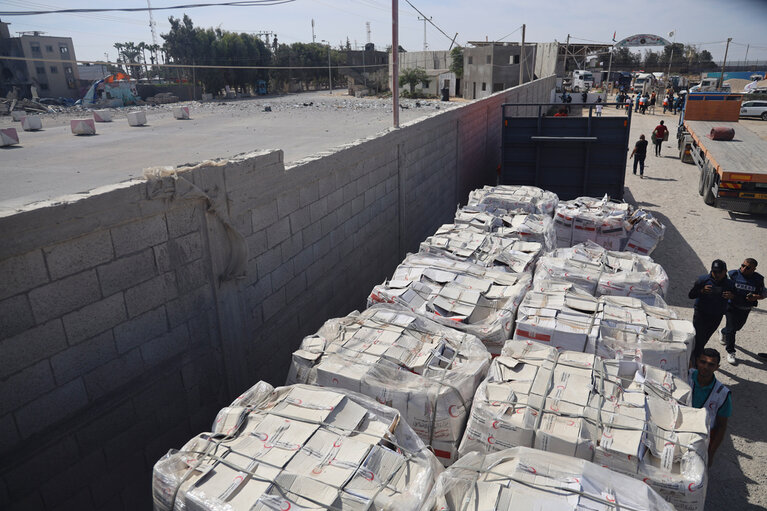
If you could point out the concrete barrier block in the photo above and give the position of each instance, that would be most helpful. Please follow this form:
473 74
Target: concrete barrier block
32 123
102 115
181 112
18 115
8 136
83 127
137 118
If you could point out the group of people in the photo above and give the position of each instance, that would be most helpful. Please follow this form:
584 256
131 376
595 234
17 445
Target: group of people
720 293
671 103
659 135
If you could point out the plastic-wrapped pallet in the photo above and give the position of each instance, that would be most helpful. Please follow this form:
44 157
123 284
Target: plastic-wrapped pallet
524 479
646 233
427 371
478 217
515 199
466 296
576 404
590 219
613 327
523 226
463 242
603 272
298 447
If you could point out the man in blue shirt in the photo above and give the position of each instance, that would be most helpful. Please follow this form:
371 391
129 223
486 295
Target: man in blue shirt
749 289
709 393
711 293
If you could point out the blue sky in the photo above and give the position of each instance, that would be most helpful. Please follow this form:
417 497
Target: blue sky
706 23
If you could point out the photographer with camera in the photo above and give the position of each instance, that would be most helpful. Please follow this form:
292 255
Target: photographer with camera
711 293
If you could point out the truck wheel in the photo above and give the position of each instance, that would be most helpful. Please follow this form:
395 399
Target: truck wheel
701 181
708 194
764 116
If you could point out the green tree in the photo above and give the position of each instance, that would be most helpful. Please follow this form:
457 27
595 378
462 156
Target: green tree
624 57
456 61
413 77
651 59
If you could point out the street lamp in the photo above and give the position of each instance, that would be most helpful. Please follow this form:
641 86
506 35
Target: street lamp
330 76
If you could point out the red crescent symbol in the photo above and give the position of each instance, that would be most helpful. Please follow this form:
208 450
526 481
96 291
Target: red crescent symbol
532 469
561 387
689 487
450 411
297 402
609 498
238 479
553 408
571 423
316 470
337 443
495 403
607 436
495 424
491 440
335 380
645 480
286 508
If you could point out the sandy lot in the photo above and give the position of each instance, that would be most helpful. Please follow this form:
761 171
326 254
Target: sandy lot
696 235
53 162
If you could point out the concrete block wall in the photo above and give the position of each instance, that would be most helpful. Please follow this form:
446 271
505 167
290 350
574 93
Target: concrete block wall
131 314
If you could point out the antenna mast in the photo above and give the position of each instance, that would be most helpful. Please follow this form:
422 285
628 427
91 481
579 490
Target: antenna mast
153 28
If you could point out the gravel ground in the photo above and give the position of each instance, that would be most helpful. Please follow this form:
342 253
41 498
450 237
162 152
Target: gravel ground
696 235
52 162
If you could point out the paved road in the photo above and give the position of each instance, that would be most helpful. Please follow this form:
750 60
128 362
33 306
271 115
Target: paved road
52 162
696 235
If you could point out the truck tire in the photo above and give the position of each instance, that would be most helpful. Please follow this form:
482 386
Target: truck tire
576 89
701 180
708 194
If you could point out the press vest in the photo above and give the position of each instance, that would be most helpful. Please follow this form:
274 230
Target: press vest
715 400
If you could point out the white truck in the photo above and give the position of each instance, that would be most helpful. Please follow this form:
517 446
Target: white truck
582 80
708 84
644 82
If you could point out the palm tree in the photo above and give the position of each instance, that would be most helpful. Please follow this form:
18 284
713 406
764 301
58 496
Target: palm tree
119 47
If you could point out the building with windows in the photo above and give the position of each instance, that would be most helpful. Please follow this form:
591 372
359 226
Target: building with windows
49 64
490 67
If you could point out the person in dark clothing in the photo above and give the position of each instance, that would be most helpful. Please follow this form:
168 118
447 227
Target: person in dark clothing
749 289
639 153
658 136
711 293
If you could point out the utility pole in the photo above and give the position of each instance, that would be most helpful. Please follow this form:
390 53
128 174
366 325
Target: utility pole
424 19
152 27
567 51
522 58
745 60
330 76
670 59
395 60
724 63
313 39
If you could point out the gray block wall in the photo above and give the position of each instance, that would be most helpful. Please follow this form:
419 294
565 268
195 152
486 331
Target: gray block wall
131 314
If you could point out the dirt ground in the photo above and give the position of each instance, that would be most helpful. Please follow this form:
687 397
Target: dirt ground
696 234
52 162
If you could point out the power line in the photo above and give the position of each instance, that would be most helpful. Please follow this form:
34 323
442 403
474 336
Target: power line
429 20
244 3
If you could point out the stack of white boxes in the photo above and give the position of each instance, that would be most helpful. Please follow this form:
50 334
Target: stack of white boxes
515 199
603 272
620 328
646 233
298 447
428 372
528 479
577 405
468 297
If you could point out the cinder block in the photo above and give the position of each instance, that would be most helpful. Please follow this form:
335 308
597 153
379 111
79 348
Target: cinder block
82 127
256 243
98 431
31 346
25 386
95 318
295 288
191 276
65 295
282 275
127 271
15 316
287 203
308 194
18 115
185 249
150 294
32 123
166 346
181 112
51 408
102 115
114 374
140 329
269 260
139 235
9 437
278 232
264 216
78 254
137 118
187 306
274 304
183 220
318 209
80 359
8 136
300 219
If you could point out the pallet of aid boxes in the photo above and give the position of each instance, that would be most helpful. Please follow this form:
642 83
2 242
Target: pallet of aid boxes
610 224
579 405
427 371
298 447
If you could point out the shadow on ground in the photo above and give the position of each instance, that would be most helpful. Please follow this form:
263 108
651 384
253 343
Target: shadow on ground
676 256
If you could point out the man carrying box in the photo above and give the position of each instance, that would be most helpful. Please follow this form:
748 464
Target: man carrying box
709 393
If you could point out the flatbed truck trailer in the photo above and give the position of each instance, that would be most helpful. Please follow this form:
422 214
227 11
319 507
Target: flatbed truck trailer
733 173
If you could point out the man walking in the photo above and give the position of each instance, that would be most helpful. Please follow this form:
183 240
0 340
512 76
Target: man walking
711 293
709 393
749 289
659 134
640 151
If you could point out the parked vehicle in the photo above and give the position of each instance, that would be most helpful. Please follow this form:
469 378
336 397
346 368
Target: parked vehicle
754 109
582 80
709 84
732 172
643 80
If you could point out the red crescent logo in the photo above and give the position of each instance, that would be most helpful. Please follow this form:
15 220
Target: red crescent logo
608 498
337 443
335 380
316 470
689 487
450 411
491 440
286 508
495 424
238 479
